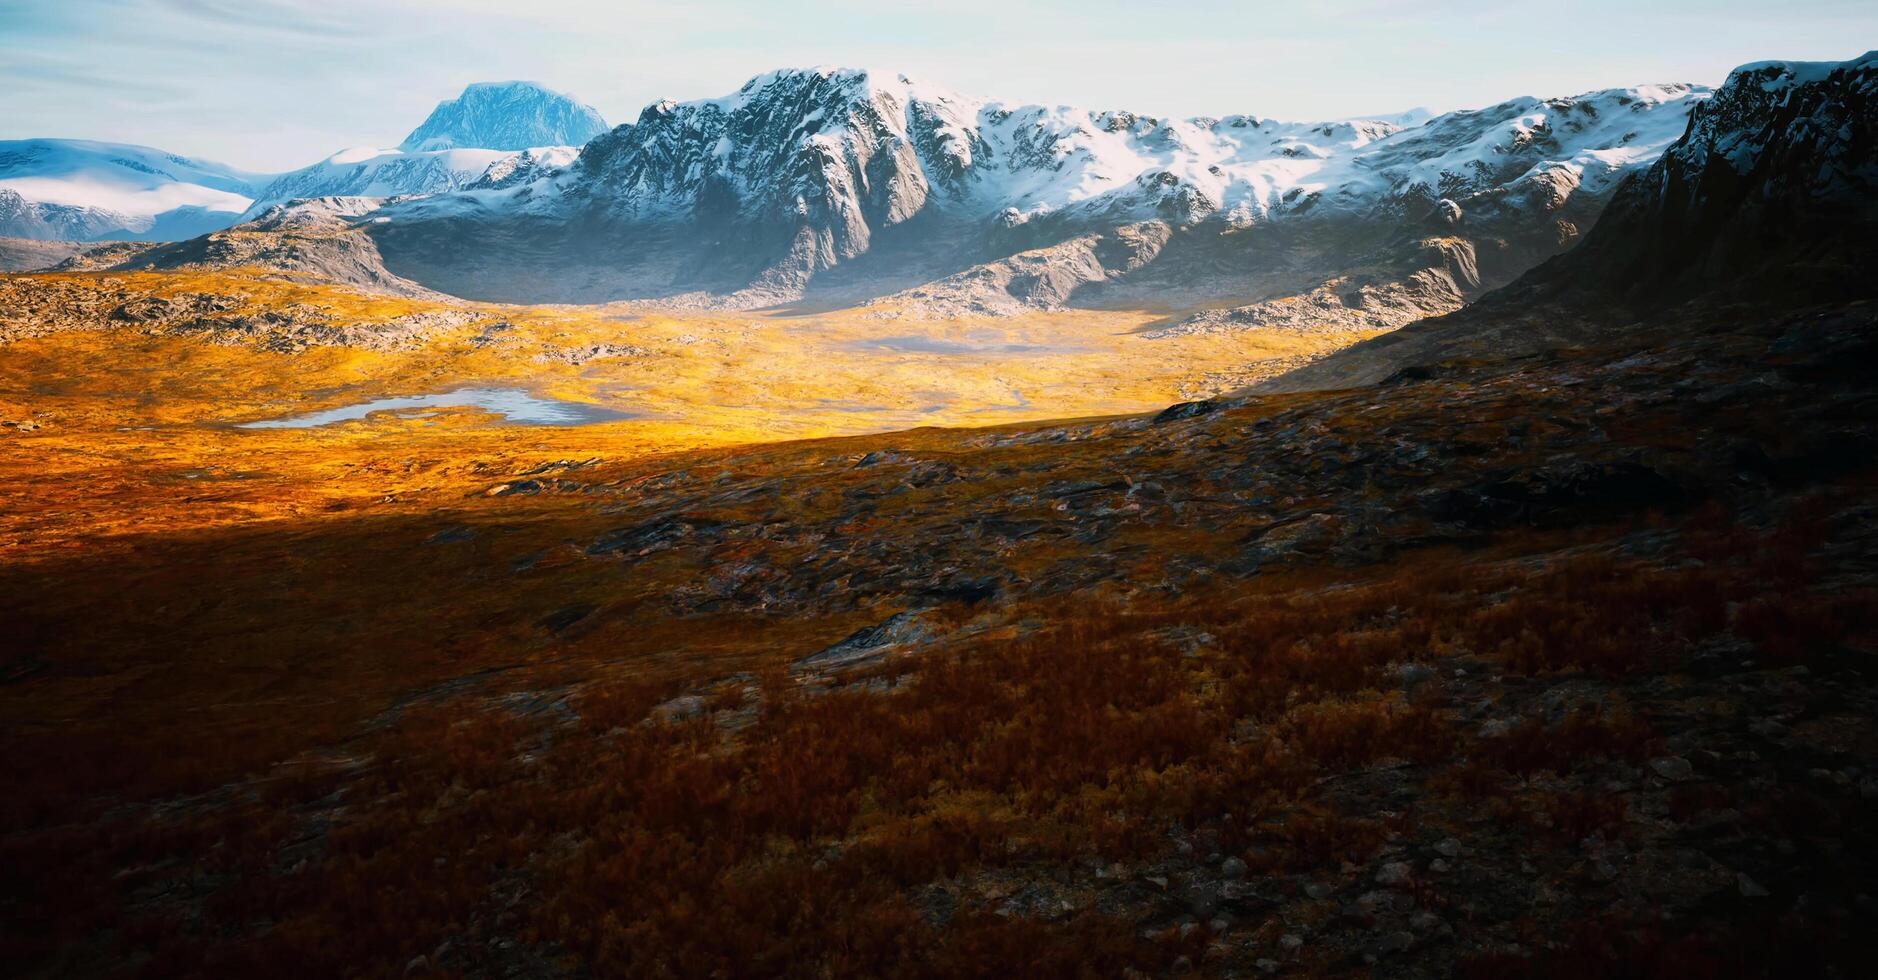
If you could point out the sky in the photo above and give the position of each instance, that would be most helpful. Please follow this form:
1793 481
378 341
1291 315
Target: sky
270 85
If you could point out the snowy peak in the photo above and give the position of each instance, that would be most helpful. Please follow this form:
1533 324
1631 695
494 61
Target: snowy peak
1555 146
505 116
848 145
494 135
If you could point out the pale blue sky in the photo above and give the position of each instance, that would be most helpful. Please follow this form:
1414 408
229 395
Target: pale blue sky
273 84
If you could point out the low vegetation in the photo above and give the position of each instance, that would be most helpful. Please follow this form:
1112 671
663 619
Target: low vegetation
893 821
1467 680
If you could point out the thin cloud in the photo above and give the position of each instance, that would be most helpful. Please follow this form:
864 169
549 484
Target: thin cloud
268 16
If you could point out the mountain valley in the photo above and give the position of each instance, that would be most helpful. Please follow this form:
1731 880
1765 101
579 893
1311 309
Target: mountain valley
847 528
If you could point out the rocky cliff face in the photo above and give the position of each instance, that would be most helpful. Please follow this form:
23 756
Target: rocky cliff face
1770 196
807 180
1774 190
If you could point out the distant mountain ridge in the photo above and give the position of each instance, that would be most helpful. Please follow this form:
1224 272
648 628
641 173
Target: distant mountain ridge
853 186
84 190
378 173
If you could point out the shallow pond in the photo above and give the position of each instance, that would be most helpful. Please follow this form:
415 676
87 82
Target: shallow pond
516 406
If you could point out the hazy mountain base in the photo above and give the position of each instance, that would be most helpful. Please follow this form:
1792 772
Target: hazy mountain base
938 267
26 254
1380 285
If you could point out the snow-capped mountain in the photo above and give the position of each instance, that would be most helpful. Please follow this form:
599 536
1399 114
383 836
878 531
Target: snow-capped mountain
506 116
80 190
493 135
789 183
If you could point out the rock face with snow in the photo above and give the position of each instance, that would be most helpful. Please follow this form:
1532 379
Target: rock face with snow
80 190
1770 197
1774 188
858 184
520 168
505 116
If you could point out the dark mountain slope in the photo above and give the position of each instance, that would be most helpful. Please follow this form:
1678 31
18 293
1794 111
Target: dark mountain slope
1770 198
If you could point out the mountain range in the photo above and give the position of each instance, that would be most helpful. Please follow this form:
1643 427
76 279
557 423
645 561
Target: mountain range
850 186
841 186
81 190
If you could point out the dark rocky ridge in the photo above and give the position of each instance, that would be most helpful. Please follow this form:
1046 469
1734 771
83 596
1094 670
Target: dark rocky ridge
1769 199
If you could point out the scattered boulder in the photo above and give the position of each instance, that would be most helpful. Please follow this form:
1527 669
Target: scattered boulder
1395 874
870 643
564 618
1673 768
1187 410
1310 535
591 352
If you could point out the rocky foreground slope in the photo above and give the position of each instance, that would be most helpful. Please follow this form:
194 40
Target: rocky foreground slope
1561 666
